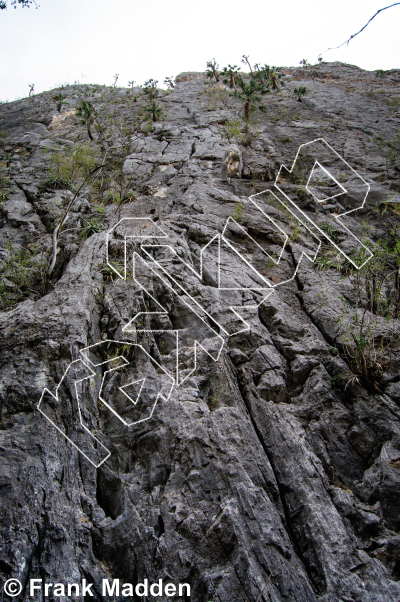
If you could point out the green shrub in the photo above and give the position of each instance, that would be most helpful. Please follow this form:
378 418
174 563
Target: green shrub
214 397
58 99
233 129
238 212
5 187
154 111
331 231
91 227
368 347
23 273
71 166
58 184
300 92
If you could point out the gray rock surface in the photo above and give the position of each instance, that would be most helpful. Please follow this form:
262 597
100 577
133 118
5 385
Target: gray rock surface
268 473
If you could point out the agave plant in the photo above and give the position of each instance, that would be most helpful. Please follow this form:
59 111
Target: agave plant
91 227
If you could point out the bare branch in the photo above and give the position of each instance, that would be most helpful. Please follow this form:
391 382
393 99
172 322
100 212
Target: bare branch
58 228
266 585
362 29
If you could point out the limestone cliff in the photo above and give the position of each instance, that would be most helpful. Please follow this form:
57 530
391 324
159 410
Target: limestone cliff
269 466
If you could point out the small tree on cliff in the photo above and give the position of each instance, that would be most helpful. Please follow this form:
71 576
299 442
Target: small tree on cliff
251 92
300 92
86 112
269 76
169 81
58 99
150 88
212 70
230 76
245 61
154 111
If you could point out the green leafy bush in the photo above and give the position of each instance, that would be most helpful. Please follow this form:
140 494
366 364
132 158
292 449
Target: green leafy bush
71 166
154 111
54 183
58 99
23 274
233 129
369 322
91 226
238 213
300 92
5 186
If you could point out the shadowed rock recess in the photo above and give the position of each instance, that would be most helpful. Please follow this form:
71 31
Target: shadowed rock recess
272 471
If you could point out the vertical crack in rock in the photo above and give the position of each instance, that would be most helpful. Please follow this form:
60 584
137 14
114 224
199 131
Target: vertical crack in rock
316 576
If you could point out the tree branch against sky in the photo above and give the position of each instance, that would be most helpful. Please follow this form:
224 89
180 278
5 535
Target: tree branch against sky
15 3
362 29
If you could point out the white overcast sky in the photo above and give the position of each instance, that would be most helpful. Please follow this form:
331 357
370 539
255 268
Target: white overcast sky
91 40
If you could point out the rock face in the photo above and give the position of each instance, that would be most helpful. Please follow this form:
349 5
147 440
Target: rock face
233 167
259 462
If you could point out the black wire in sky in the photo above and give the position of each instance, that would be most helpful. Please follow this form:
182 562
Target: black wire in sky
362 29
